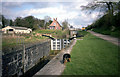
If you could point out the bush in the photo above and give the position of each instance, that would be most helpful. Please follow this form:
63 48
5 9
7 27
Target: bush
82 33
115 34
106 32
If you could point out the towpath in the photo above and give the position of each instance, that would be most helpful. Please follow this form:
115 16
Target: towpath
113 40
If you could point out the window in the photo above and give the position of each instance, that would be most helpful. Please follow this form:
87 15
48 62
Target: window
52 27
10 29
54 23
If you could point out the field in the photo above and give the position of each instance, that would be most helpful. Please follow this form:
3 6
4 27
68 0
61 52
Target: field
55 33
32 38
93 56
11 43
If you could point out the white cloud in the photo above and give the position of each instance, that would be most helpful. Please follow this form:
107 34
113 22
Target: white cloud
43 0
59 12
50 10
89 17
11 4
71 11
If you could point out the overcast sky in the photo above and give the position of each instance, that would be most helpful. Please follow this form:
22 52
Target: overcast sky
60 10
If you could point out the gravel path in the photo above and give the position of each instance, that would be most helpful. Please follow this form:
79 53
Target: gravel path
55 66
113 40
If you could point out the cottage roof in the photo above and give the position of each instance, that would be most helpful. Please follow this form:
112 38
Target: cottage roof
21 28
58 23
55 21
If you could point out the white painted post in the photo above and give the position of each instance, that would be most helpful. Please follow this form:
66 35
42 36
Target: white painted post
51 44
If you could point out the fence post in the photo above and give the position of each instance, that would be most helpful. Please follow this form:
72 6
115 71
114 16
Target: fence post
43 52
23 58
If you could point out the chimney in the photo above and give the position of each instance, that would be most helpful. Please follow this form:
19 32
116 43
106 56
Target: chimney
53 19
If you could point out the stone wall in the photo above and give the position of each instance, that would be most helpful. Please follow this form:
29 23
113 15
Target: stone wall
20 61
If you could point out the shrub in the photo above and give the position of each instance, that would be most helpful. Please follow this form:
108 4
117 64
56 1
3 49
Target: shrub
106 32
115 34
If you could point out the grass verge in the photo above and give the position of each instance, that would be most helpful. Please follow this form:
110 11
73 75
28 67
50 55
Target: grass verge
55 33
115 33
93 56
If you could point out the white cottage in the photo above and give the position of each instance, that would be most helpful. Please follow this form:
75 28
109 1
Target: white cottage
17 30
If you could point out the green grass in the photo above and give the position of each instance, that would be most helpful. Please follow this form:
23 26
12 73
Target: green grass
45 31
18 40
93 56
11 42
82 33
55 33
48 31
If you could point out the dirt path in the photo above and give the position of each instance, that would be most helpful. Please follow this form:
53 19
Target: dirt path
55 66
113 40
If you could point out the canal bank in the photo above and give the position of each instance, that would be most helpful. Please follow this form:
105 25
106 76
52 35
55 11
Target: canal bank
55 66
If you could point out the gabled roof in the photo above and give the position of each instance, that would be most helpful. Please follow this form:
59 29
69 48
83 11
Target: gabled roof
22 28
58 23
55 20
15 27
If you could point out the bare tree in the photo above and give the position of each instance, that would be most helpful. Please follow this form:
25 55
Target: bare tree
104 6
47 19
65 24
107 7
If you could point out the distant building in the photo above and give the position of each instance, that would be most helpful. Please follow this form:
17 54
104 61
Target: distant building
55 25
17 30
83 28
73 32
